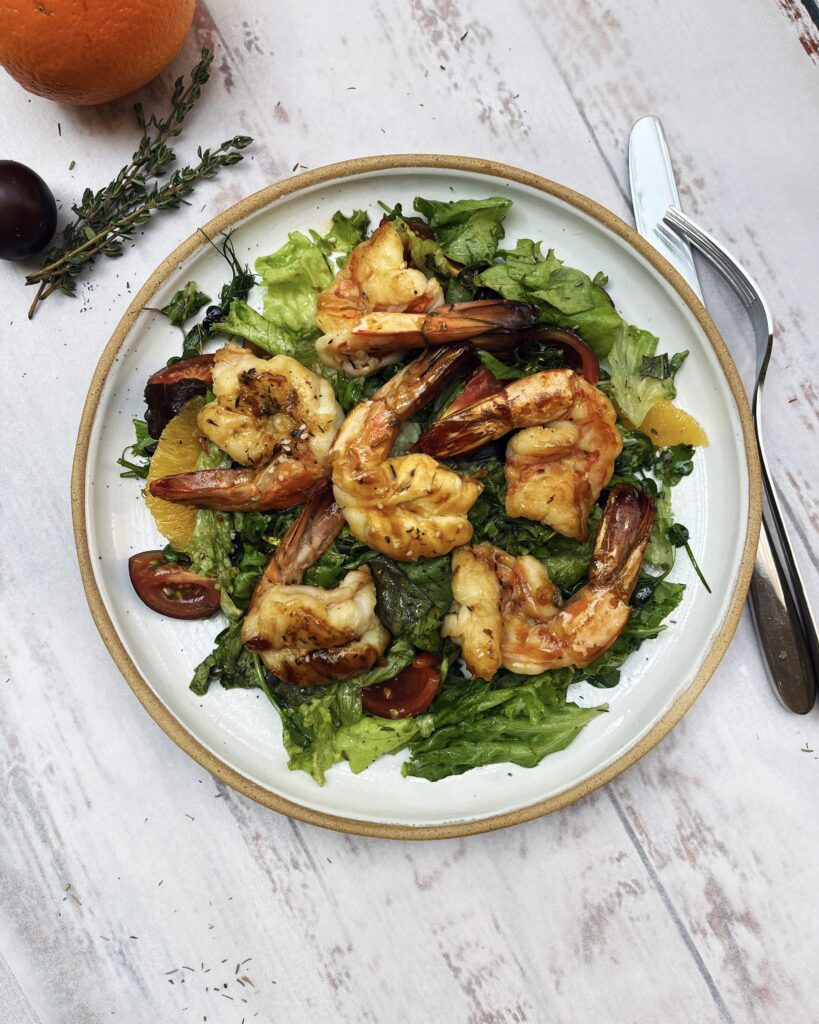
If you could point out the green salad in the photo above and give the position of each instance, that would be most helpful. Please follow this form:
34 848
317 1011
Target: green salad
512 717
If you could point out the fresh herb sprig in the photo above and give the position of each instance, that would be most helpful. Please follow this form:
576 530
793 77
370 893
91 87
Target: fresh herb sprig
104 219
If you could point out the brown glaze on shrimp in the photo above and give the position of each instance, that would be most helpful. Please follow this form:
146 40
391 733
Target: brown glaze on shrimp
409 506
272 415
307 635
494 590
563 455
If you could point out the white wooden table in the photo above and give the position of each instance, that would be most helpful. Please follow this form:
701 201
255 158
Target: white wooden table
133 886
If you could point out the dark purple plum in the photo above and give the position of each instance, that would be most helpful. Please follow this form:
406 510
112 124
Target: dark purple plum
28 213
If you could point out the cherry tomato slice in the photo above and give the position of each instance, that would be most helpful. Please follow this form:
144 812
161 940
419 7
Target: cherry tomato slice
580 356
168 389
411 692
172 589
195 368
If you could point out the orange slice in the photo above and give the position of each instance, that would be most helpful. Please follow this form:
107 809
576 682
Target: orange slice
667 424
180 445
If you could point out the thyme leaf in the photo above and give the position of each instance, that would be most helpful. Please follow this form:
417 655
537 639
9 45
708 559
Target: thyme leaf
104 219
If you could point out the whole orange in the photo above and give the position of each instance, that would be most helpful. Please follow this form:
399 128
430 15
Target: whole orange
90 51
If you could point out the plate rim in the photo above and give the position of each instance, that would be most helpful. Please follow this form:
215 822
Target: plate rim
165 719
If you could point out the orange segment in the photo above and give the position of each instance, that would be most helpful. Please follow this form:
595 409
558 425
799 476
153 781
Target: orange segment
177 451
667 424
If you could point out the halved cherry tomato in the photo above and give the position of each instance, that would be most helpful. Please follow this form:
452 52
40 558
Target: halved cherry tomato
411 692
481 384
168 389
172 589
580 356
194 368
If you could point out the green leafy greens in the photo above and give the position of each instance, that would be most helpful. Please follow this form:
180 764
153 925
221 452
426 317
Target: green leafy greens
566 296
639 378
291 278
514 718
345 233
467 230
185 304
474 725
142 448
404 608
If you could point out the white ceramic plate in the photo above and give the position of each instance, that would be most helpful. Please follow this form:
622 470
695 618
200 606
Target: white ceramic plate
237 734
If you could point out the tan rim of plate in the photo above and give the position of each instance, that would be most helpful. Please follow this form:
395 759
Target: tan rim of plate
163 717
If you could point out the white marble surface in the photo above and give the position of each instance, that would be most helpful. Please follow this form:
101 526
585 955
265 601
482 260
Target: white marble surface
685 890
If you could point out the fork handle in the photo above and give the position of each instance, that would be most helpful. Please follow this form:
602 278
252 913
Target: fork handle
782 613
775 616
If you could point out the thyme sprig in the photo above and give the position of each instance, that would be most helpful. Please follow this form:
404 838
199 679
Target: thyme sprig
104 219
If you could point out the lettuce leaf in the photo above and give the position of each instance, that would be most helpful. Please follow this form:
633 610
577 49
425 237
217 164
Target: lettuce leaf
468 230
367 740
639 378
404 608
291 279
566 296
474 724
245 322
321 728
211 543
360 744
345 233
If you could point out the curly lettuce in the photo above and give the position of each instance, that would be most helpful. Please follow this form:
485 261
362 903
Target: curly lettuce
291 279
566 296
639 377
468 230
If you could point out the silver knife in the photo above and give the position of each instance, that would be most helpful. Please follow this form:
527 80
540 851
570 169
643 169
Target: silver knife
782 635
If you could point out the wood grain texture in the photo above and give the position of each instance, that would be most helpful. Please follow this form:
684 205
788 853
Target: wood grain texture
683 891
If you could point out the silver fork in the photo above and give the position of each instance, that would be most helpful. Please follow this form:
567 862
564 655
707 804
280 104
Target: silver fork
779 603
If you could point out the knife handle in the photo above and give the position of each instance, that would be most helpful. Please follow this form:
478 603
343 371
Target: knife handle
780 629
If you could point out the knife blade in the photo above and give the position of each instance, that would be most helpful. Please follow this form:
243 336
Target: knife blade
781 633
653 190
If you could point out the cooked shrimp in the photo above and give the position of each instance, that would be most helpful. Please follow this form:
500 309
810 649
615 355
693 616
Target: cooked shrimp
306 635
409 506
378 308
538 631
273 415
475 622
559 463
374 277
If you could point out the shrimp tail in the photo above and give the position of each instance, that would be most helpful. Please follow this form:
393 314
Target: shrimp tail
281 484
468 428
420 381
521 403
622 537
446 324
312 533
455 322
